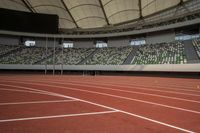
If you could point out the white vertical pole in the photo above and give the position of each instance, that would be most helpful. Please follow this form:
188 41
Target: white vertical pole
62 57
46 56
54 51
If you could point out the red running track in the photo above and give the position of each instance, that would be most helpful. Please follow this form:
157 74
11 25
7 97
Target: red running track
111 104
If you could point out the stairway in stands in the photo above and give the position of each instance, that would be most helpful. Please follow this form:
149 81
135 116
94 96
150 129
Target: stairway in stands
48 57
82 62
130 56
11 51
191 54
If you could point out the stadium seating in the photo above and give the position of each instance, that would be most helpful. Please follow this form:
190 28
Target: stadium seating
163 53
71 56
196 44
110 56
26 55
7 48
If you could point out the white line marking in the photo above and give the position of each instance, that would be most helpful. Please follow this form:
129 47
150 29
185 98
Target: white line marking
57 116
37 102
133 87
18 90
151 85
32 90
124 112
50 93
142 93
138 84
130 99
145 88
116 96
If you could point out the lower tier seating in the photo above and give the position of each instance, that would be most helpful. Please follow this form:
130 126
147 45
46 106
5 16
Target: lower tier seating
196 44
110 56
70 56
162 53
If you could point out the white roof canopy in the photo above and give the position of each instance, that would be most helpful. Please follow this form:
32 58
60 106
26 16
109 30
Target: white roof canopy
91 13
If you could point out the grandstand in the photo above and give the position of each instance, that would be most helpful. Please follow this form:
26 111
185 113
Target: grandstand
161 53
25 55
99 66
71 56
164 53
196 44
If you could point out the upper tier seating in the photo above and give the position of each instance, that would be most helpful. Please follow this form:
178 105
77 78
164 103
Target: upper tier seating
196 44
162 53
110 56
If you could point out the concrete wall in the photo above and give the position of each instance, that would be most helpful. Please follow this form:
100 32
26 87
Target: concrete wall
84 43
88 43
118 42
9 40
160 37
42 42
159 68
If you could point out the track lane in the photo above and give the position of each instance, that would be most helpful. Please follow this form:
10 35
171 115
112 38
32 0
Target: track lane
160 100
177 115
105 123
127 80
23 96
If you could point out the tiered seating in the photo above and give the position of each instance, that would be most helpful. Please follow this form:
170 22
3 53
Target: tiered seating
196 44
110 56
26 55
71 56
7 48
164 53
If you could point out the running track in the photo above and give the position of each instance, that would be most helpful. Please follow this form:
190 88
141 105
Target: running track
98 104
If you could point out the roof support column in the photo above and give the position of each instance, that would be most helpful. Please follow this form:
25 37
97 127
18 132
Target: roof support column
104 13
140 8
28 5
69 13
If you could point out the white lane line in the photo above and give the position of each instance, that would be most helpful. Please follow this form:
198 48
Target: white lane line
158 90
130 99
114 109
133 83
142 93
145 88
116 96
19 90
27 91
124 112
30 89
53 94
152 85
132 87
57 116
134 92
36 102
139 85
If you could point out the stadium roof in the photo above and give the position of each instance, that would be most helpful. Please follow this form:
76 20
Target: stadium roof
91 13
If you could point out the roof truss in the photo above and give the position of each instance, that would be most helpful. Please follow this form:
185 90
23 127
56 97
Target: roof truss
62 1
140 8
104 13
28 5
